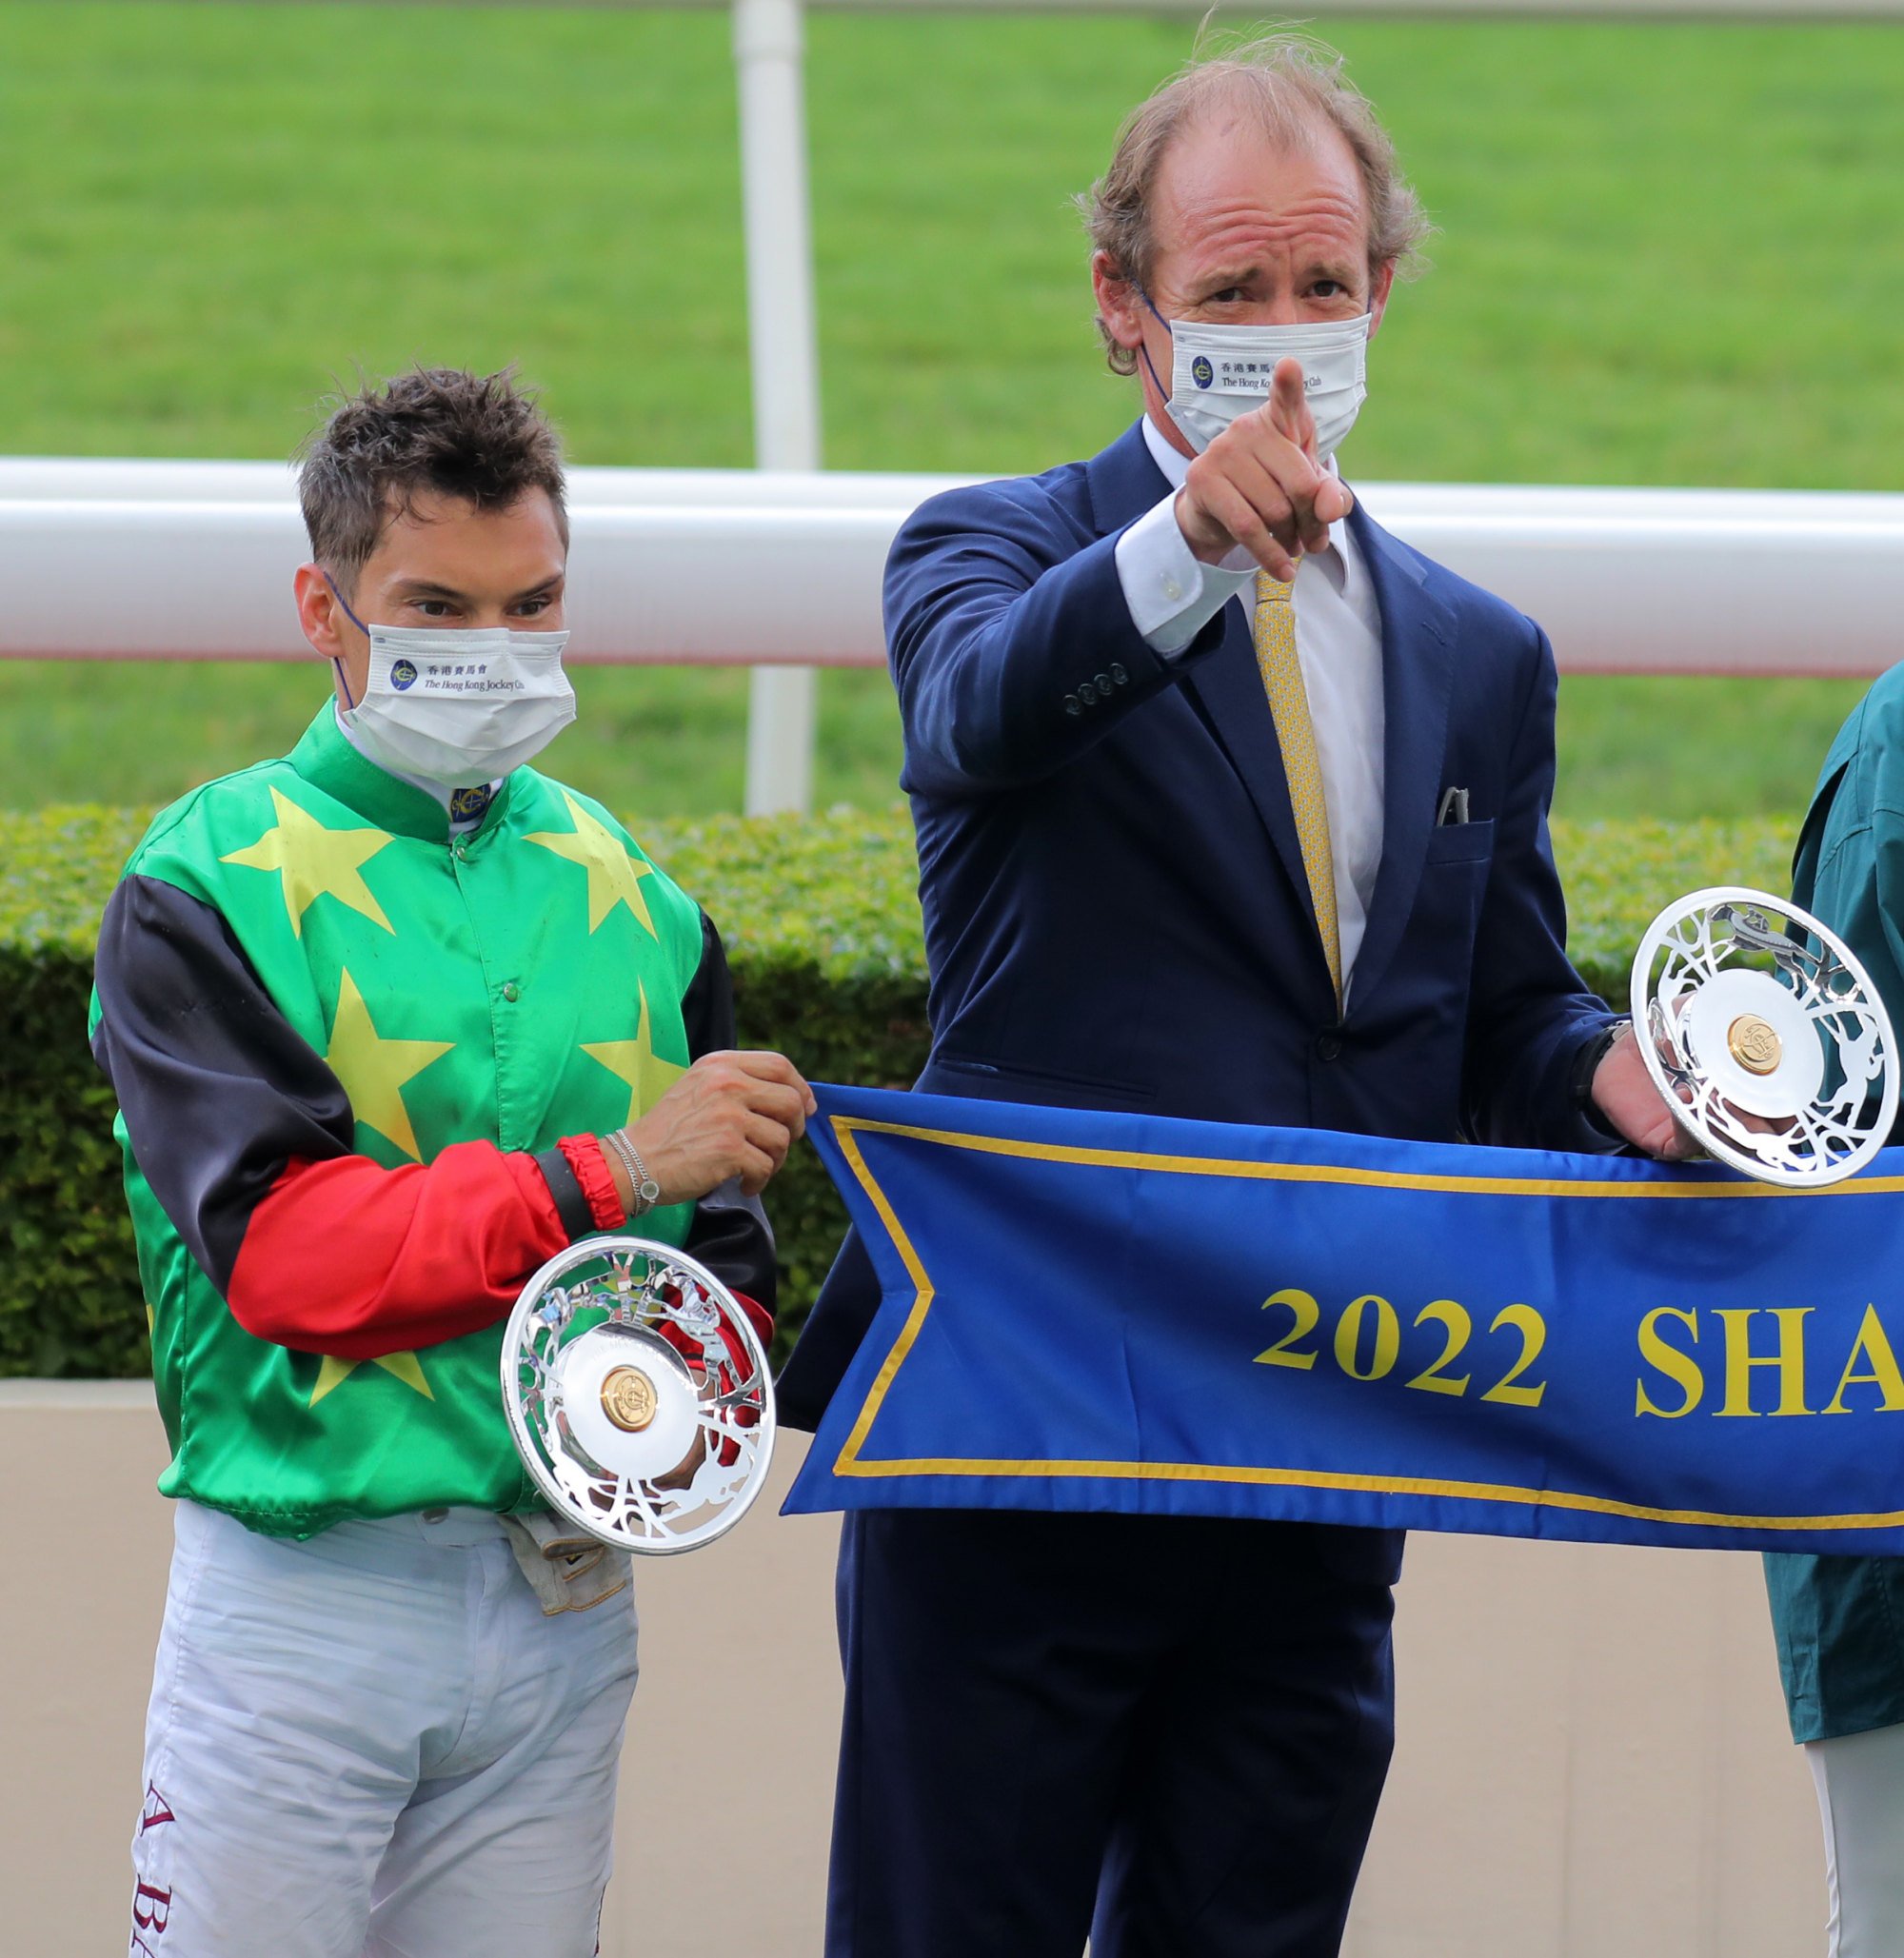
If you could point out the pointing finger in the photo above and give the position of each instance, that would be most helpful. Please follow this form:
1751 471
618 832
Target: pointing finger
1289 405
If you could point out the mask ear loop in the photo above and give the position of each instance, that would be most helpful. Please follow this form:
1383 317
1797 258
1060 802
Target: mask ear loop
337 658
1144 351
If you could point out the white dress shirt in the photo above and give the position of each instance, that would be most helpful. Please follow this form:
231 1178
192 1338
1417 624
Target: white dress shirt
1172 595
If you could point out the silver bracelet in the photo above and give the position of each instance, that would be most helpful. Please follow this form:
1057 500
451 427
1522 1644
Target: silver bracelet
647 1191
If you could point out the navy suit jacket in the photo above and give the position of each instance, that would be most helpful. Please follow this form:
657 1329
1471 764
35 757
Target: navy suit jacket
1116 910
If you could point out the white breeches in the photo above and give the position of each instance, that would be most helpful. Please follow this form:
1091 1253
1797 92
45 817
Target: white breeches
1860 1781
375 1745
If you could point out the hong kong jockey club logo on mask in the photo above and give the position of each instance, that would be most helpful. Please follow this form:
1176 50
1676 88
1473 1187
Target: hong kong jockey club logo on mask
402 676
1200 371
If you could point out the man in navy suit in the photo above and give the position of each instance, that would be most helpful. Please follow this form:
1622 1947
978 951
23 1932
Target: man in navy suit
1229 806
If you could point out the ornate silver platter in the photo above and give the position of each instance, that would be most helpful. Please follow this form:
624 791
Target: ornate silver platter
639 1394
1764 1028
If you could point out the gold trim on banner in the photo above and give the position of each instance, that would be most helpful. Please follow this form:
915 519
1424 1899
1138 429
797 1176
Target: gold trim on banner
851 1462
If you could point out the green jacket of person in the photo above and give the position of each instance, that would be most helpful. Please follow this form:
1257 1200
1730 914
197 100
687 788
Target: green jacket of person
1839 1621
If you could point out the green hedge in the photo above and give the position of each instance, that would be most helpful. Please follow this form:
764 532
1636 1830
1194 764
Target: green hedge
823 932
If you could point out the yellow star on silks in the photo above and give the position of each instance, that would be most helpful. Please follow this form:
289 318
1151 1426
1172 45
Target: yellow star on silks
316 862
374 1070
614 877
635 1061
335 1372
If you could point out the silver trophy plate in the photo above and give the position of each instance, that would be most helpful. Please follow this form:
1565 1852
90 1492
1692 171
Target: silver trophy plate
1765 1032
639 1395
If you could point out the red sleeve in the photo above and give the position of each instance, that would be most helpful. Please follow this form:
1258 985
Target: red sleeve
583 1155
348 1258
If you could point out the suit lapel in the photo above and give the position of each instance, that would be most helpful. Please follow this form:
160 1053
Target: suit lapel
1124 481
1418 671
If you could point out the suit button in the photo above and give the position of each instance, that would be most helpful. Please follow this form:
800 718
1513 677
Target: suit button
1087 693
1072 705
1327 1046
1118 674
1105 685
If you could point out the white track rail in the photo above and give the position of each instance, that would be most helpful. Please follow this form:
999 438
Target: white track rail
193 560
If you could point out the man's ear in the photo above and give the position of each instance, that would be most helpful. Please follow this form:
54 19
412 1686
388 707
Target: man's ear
1118 305
319 612
1382 286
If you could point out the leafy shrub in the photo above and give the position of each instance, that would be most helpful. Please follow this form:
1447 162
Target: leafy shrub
822 927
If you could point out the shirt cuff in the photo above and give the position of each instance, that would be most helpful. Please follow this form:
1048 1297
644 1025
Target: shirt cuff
1171 593
585 1193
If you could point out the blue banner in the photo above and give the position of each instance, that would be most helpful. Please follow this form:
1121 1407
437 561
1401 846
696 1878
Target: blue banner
1116 1312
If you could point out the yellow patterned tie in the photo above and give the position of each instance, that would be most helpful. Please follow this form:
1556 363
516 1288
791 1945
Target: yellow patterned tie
1296 735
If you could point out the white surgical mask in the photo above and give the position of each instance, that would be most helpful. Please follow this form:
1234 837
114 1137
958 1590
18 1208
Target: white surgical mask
460 709
1218 373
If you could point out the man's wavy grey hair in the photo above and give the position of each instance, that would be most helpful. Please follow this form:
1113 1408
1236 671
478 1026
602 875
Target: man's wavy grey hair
1290 83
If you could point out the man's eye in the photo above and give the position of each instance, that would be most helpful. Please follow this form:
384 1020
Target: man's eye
432 608
534 608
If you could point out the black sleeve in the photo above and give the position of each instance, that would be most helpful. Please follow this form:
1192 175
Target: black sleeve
730 1234
218 1090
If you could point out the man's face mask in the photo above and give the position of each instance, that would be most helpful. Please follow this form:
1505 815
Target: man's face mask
459 707
1218 373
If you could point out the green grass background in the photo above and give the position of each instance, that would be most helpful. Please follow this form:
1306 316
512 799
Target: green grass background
1667 255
